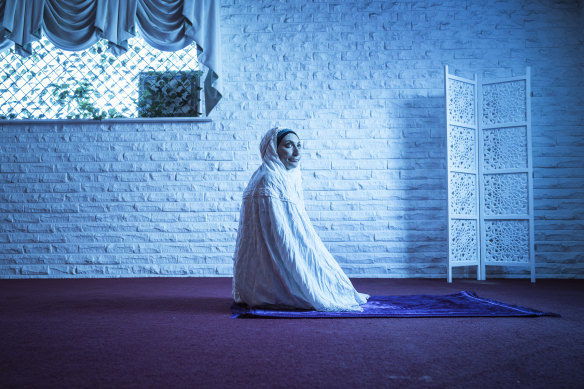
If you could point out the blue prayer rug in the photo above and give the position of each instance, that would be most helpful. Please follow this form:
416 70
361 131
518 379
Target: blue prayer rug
461 304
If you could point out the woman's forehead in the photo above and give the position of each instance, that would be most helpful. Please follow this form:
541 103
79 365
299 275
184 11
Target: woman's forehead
290 137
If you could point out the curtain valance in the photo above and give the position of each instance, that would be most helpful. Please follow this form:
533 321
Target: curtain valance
74 25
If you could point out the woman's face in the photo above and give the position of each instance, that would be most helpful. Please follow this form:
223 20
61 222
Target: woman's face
289 151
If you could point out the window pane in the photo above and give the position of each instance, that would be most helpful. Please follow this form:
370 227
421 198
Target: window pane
93 83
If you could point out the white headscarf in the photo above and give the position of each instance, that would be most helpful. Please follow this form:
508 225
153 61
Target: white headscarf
272 178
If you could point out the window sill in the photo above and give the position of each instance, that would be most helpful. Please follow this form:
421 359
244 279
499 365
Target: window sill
106 121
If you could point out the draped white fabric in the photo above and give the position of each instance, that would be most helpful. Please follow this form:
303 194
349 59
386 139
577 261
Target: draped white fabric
75 25
279 258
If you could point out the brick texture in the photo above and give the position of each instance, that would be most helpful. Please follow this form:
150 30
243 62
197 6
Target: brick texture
362 82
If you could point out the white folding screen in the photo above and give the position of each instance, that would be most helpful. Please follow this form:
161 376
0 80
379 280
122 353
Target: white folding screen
463 173
506 190
490 173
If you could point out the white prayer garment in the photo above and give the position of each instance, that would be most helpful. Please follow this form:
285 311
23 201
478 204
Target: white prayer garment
279 259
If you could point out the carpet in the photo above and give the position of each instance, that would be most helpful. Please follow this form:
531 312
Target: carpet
461 304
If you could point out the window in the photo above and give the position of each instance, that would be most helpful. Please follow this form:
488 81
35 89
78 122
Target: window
95 84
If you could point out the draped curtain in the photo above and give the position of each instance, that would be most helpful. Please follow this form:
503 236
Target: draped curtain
74 25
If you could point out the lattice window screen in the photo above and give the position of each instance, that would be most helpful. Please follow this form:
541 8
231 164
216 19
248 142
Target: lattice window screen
490 188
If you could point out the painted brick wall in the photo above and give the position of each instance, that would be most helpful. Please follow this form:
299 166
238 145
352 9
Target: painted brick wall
363 84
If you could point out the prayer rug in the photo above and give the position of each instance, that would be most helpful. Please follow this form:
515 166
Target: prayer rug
461 304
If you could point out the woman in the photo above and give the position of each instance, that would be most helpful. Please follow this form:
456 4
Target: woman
279 259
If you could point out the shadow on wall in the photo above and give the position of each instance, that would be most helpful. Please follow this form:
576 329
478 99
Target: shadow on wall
423 179
419 194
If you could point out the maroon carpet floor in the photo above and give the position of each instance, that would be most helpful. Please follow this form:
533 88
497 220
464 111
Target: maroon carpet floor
177 333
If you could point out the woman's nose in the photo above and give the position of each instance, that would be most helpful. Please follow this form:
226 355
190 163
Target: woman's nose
296 151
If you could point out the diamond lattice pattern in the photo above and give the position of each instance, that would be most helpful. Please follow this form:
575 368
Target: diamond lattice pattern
93 83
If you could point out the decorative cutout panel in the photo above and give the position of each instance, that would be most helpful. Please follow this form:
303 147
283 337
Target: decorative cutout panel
463 193
507 241
505 148
490 174
462 148
504 102
464 240
505 194
463 172
461 106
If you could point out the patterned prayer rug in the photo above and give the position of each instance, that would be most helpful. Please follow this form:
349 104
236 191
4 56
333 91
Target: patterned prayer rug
461 304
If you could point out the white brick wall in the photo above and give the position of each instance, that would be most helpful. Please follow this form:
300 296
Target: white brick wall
363 84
